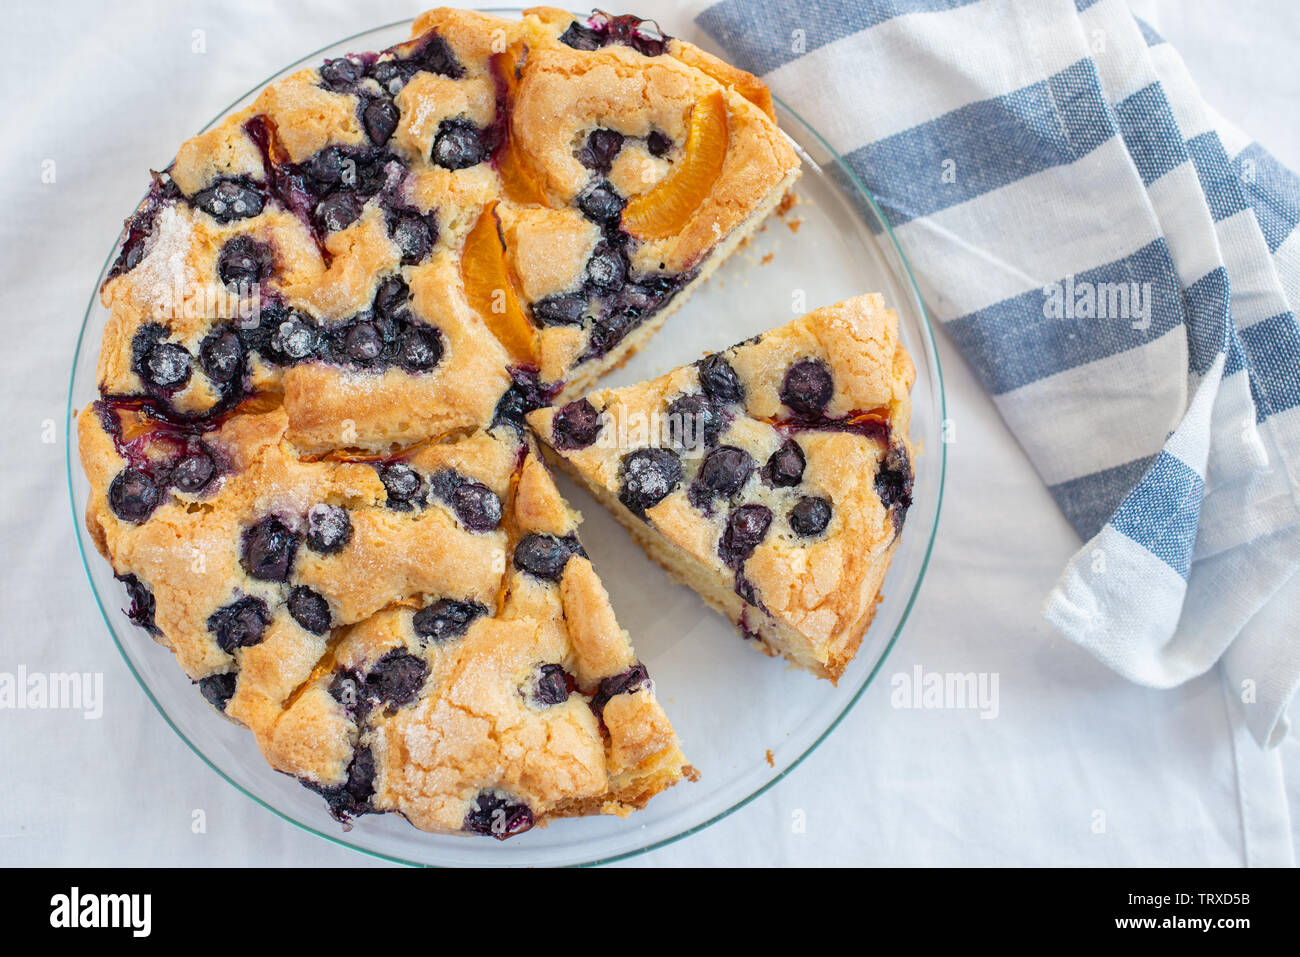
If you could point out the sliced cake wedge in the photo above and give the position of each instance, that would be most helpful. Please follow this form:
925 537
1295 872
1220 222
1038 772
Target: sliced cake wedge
773 477
420 633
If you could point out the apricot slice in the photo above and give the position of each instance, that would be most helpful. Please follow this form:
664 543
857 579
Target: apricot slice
664 210
519 182
490 289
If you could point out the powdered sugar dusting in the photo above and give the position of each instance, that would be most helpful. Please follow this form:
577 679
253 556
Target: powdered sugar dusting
165 268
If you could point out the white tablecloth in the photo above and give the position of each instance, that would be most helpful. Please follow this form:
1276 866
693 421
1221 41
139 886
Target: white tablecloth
1078 767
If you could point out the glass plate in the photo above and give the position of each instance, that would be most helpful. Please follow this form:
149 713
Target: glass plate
745 720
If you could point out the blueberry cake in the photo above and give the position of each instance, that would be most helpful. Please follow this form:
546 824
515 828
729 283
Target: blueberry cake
773 477
329 316
420 633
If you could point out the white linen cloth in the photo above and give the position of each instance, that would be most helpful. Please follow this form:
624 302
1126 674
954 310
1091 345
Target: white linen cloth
107 93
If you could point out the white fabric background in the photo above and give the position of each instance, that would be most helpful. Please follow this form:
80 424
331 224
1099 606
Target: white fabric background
107 90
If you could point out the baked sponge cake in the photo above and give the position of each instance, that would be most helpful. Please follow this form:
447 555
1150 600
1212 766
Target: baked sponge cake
421 633
773 477
497 210
307 461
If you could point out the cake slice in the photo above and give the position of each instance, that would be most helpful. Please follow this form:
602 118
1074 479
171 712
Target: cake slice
496 210
773 477
420 632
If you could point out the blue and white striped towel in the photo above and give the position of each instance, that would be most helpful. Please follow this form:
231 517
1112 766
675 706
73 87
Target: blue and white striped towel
1121 268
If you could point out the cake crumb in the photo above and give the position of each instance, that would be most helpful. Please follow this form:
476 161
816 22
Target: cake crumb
794 224
771 762
766 259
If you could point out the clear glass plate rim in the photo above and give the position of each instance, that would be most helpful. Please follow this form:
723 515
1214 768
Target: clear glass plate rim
933 355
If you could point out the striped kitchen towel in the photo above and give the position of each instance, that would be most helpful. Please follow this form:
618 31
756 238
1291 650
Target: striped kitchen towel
1121 267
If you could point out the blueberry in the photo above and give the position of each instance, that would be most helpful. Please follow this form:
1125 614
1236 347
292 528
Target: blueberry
403 485
338 211
458 145
607 331
446 619
638 298
725 471
193 472
380 120
217 690
133 495
141 612
623 683
360 786
413 237
562 310
543 556
599 150
810 516
240 624
352 797
477 506
694 422
894 478
228 200
551 686
601 204
392 294
362 343
268 550
295 338
166 365
657 143
606 270
396 678
391 75
419 348
894 483
310 609
648 476
807 386
329 528
524 394
581 37
746 527
244 261
719 380
346 688
785 466
131 256
495 816
221 355
628 31
341 73
332 166
576 425
434 55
